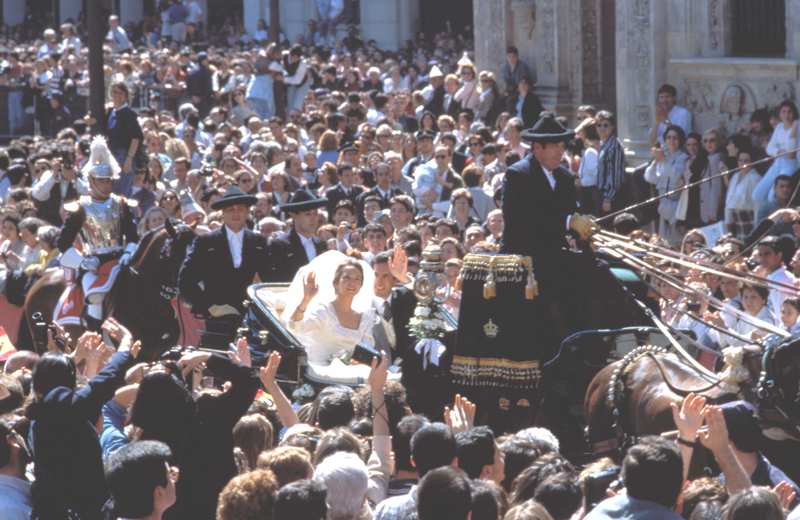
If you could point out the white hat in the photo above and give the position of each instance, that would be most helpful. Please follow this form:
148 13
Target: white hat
391 154
465 61
101 163
436 72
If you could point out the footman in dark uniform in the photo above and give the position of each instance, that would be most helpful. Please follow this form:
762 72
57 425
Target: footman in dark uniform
291 250
220 266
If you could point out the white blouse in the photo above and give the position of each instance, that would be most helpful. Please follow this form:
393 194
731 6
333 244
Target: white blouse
740 191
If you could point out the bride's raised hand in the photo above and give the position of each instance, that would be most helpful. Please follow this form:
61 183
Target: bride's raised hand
310 287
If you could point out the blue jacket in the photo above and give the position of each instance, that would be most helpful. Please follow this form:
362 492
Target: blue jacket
65 446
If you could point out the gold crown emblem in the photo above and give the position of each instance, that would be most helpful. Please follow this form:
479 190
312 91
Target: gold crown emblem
490 329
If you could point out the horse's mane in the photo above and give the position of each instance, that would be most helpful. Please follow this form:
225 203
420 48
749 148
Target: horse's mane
146 243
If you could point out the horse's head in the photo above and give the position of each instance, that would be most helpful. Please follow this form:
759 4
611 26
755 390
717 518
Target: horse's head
778 389
160 255
173 251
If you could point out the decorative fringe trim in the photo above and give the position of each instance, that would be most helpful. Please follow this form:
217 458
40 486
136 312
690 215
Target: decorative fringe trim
495 373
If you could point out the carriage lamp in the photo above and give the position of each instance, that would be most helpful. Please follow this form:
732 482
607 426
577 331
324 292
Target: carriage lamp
430 283
431 289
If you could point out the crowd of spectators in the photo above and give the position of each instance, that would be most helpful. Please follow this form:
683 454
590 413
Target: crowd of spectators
409 148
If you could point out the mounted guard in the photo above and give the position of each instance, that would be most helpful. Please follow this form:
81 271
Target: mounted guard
99 236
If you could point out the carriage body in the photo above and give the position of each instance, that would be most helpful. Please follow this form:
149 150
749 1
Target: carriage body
267 332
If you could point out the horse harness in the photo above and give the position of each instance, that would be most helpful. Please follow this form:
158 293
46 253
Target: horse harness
617 392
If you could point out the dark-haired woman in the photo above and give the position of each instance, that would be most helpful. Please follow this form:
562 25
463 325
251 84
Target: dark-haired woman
712 193
666 173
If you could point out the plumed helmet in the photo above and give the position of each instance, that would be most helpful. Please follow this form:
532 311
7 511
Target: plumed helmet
101 163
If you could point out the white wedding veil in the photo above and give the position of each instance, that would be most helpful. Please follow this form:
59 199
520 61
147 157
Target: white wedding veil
324 267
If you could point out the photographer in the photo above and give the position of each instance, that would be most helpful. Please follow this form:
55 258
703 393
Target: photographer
56 186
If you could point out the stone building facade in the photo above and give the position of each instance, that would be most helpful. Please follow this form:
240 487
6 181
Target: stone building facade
616 53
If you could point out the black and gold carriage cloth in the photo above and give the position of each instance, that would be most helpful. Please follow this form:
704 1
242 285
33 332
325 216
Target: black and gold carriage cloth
495 346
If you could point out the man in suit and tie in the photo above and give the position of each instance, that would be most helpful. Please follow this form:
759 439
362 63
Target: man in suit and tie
346 189
291 250
383 190
220 266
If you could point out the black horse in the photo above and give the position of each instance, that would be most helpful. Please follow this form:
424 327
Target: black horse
141 298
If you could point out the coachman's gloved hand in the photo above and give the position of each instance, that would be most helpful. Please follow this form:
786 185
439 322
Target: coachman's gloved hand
583 225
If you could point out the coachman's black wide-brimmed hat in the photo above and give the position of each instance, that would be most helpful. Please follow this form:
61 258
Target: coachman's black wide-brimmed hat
303 200
233 195
547 130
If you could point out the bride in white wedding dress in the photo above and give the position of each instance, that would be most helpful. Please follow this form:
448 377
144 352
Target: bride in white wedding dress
330 308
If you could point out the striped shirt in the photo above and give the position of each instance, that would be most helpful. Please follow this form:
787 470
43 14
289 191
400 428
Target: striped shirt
610 168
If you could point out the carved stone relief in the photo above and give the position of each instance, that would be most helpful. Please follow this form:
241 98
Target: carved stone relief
591 52
640 45
774 93
698 96
715 24
728 103
547 23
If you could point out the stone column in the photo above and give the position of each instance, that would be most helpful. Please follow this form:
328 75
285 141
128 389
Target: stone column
130 12
793 29
492 35
252 11
641 69
541 31
13 12
295 15
69 9
382 21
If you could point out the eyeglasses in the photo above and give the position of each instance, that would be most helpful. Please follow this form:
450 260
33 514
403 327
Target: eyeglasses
169 197
475 144
710 140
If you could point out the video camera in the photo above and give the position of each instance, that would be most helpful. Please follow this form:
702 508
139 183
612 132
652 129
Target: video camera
40 328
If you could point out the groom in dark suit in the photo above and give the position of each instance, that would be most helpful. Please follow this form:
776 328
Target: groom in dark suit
220 266
291 250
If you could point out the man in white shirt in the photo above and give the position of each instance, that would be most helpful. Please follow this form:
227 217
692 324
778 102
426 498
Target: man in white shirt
770 257
668 112
219 267
117 36
292 250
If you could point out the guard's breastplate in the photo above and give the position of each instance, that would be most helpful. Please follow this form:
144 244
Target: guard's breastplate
101 232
